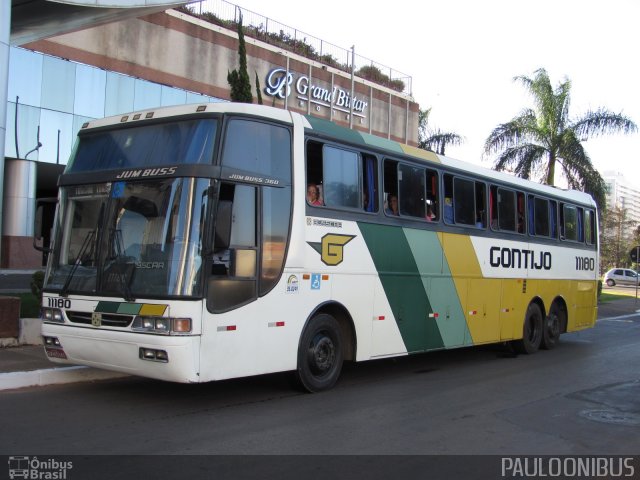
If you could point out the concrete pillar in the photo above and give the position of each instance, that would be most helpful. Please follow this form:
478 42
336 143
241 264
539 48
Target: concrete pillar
20 198
5 29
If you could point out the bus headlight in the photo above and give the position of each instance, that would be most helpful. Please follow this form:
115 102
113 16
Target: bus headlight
52 315
162 325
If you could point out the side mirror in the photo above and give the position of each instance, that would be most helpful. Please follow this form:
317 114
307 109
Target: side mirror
42 204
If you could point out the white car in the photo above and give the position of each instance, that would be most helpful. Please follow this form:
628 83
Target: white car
621 276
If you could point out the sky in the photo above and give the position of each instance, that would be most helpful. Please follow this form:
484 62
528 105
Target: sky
464 54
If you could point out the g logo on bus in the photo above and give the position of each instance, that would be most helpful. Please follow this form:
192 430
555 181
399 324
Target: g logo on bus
331 249
96 319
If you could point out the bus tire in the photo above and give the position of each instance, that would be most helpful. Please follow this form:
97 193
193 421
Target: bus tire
552 327
531 331
320 355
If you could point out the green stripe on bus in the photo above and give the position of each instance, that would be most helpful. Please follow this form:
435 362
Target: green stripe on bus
403 285
440 287
129 308
382 143
329 128
107 307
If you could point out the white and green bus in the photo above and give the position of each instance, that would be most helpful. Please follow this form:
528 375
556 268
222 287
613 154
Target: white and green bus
207 242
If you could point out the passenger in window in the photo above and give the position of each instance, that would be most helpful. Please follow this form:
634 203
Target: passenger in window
430 217
448 210
480 219
392 205
520 223
313 195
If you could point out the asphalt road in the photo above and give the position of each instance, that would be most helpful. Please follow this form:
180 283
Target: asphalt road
582 398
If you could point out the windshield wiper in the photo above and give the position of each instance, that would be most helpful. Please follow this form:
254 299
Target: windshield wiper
88 240
122 267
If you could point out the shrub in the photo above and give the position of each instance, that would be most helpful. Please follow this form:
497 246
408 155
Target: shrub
37 281
374 74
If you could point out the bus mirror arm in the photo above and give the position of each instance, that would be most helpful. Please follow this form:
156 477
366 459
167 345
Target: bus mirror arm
38 227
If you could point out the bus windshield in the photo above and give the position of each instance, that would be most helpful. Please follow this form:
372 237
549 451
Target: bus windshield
130 239
169 143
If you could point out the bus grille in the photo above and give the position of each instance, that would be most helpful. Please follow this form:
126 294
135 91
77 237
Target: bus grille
108 319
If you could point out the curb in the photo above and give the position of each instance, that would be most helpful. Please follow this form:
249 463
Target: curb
54 376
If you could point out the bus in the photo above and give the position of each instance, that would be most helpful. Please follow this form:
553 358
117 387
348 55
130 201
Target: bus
206 242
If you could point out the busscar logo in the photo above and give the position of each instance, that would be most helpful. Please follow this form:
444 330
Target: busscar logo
331 248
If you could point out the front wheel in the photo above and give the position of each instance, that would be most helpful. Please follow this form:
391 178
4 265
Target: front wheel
320 354
611 283
532 331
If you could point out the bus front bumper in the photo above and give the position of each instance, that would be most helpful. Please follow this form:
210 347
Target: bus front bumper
164 357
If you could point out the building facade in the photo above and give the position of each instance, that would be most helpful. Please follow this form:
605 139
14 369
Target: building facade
622 193
168 58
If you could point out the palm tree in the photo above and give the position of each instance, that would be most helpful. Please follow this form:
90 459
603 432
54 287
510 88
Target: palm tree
539 139
434 140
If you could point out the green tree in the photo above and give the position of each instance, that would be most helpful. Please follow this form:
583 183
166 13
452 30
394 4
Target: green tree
258 92
434 140
617 238
239 79
541 138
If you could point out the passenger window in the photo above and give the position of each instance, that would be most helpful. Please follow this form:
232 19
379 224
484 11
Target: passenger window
369 183
503 209
553 219
411 186
541 217
480 205
391 207
590 227
433 210
569 223
464 202
341 178
521 213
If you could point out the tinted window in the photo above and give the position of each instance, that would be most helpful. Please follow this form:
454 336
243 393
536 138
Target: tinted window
172 143
259 148
276 206
506 209
590 227
411 185
464 201
541 217
341 174
570 222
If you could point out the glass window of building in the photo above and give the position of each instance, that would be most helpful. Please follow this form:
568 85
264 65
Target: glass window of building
58 85
90 91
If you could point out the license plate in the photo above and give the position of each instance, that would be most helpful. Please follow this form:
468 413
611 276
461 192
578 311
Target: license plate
55 352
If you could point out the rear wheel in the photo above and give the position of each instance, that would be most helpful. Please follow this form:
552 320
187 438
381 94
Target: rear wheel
552 327
320 354
532 331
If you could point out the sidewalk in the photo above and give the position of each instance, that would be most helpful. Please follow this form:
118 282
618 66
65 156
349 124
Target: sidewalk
28 365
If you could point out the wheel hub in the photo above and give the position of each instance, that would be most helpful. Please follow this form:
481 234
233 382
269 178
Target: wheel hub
321 354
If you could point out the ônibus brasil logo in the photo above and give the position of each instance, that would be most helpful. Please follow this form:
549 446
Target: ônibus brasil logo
35 468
